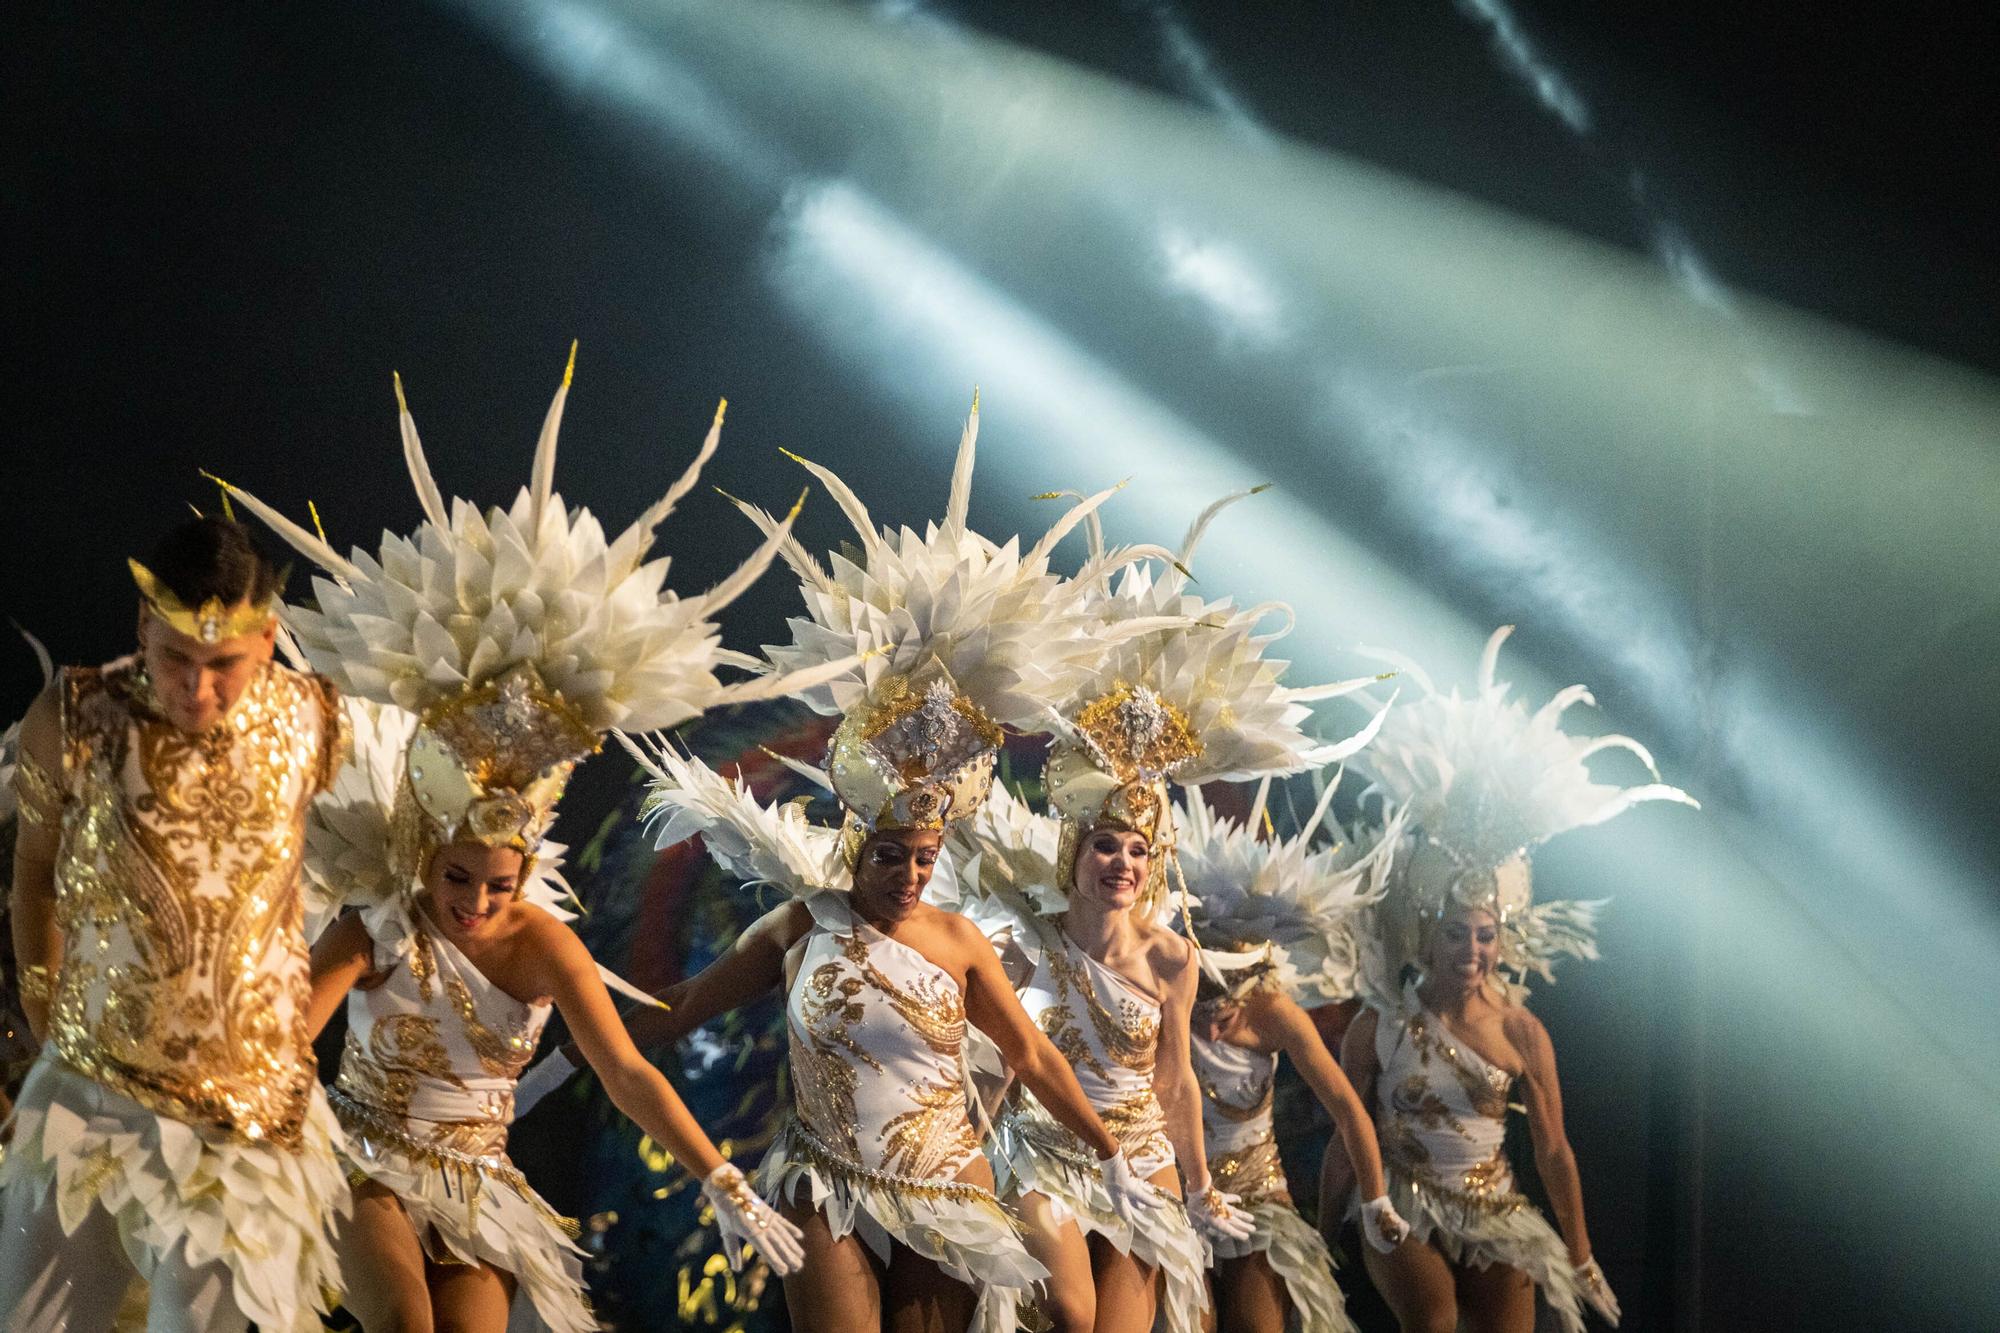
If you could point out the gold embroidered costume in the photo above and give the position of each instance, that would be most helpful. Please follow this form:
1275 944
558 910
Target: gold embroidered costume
177 1090
1441 1117
488 653
1480 780
1236 1093
1179 692
948 636
426 1093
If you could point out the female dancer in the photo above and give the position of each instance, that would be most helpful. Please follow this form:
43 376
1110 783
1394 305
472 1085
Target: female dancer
1483 781
1300 902
516 638
1180 690
879 1164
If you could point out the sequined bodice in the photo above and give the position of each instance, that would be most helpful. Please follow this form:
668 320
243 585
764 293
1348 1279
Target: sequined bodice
1236 1086
1236 1089
1443 1106
1109 1034
436 1041
876 1031
185 975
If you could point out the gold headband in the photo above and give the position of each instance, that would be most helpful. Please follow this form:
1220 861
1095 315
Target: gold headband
211 622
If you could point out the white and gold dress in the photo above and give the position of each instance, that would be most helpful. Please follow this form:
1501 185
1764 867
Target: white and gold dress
1236 1093
1108 1031
426 1095
177 1090
880 1131
1441 1118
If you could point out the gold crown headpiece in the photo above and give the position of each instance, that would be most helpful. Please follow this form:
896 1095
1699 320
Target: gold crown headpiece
912 758
1111 766
211 622
1114 760
488 765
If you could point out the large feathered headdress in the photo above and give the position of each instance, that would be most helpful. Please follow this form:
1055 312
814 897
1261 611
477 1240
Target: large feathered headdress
1484 780
1281 911
1179 692
517 637
952 636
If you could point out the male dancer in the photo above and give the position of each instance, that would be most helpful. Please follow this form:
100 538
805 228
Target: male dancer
173 1124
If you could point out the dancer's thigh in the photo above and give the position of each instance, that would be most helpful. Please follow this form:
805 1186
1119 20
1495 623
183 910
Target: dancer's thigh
1249 1295
837 1289
187 1299
1069 1301
920 1297
382 1263
1417 1283
50 1282
469 1298
1127 1290
1496 1299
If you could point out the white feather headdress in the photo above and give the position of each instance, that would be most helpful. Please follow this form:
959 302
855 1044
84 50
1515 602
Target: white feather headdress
10 743
1484 780
952 636
517 637
349 858
1183 693
759 844
1281 909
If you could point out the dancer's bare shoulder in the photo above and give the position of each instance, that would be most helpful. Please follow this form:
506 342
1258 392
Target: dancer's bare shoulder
1170 955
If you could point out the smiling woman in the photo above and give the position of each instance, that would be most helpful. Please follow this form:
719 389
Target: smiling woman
469 888
449 971
928 643
892 870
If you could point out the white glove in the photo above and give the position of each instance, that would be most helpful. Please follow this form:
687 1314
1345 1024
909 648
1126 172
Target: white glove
1382 1225
1596 1292
1131 1197
1215 1211
741 1216
553 1071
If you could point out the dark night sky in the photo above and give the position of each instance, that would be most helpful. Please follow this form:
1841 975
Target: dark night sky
224 226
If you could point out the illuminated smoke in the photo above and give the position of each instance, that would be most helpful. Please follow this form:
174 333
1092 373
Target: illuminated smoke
1526 63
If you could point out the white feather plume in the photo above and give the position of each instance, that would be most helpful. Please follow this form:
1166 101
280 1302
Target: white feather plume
1014 635
1010 854
347 829
10 741
1207 658
1300 899
473 593
1486 776
759 844
346 860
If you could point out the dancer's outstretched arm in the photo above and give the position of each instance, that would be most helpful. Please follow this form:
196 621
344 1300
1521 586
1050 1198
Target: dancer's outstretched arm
1282 1024
1173 1069
1554 1160
1357 1064
752 966
557 964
